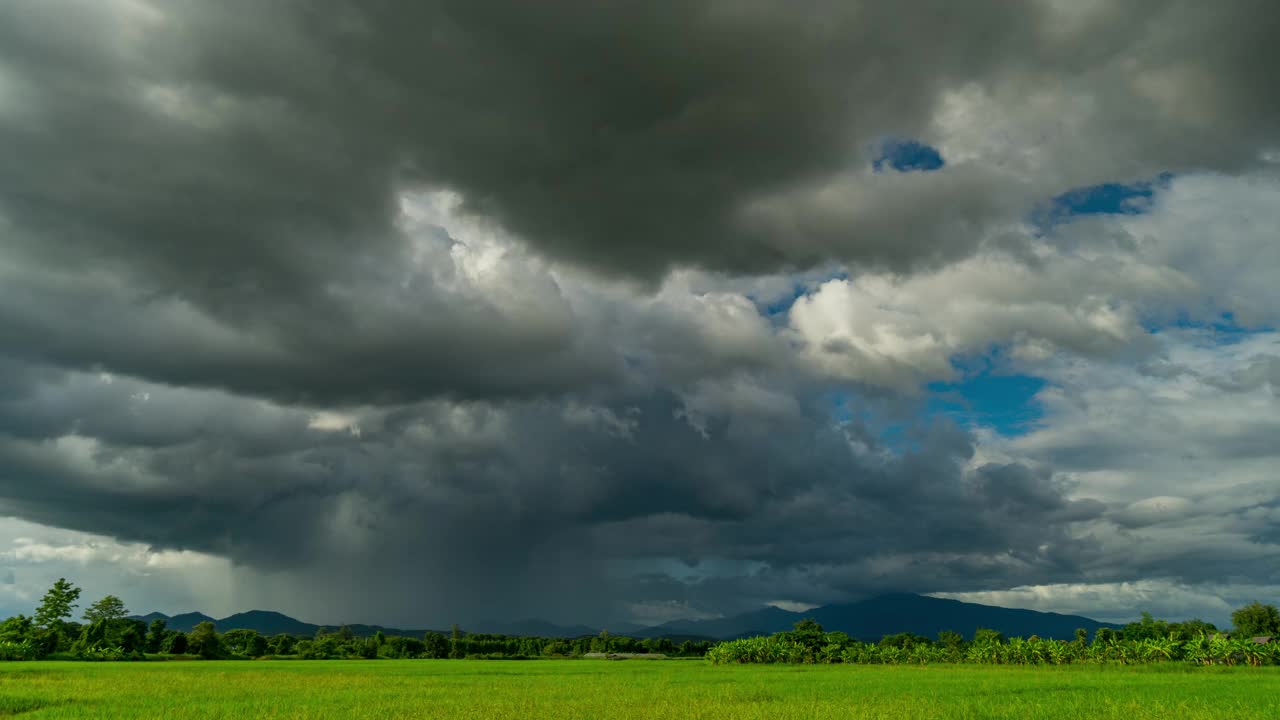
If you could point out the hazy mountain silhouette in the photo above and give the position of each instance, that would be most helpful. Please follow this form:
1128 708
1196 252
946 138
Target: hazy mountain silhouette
868 619
876 617
268 622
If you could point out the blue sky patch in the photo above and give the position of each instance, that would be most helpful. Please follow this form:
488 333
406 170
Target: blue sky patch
1103 199
1003 402
1225 328
908 156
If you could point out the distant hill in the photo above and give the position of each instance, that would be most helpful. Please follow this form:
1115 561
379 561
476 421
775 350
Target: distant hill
758 622
187 621
267 622
888 614
865 620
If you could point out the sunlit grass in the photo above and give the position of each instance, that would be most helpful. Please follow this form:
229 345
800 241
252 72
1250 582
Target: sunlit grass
603 689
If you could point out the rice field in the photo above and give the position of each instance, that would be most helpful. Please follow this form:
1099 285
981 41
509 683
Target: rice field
627 689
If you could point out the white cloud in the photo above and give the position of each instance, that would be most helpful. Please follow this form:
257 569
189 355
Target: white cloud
1125 601
146 578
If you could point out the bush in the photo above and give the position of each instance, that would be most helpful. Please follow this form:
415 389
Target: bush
24 650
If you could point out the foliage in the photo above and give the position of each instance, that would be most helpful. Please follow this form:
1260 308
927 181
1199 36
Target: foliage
991 649
108 608
57 605
156 635
203 640
110 637
245 643
1256 619
120 634
175 643
20 650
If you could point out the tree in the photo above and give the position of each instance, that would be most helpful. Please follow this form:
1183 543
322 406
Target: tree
175 643
203 641
156 635
435 646
1256 619
1148 628
108 608
904 640
600 644
808 632
57 605
456 651
950 639
283 644
983 636
1191 629
244 642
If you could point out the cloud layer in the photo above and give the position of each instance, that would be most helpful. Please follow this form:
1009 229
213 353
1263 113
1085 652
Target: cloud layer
480 304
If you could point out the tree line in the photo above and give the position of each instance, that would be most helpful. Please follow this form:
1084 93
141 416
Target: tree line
1255 640
108 633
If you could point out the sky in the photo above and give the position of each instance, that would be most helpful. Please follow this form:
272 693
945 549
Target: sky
425 312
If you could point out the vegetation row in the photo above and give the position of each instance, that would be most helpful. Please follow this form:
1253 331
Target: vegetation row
107 633
1146 642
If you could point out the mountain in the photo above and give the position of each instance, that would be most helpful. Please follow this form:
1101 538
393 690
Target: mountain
267 622
186 622
879 616
151 616
765 621
868 620
888 614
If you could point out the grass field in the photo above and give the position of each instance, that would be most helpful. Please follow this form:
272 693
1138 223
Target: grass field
630 689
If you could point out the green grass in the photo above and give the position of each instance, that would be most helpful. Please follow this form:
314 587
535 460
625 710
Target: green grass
603 689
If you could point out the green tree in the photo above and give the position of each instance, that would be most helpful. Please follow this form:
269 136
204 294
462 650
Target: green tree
600 644
1148 628
435 646
175 643
156 635
57 605
904 640
244 642
809 633
17 629
203 641
456 651
987 636
950 639
108 608
283 644
1191 629
1256 619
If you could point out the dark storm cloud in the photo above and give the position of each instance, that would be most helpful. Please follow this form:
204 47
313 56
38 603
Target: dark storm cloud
240 162
217 223
524 499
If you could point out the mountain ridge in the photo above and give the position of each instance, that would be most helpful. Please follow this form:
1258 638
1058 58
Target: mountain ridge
868 619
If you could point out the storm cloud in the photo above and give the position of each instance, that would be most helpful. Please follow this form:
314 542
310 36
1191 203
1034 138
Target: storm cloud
478 304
